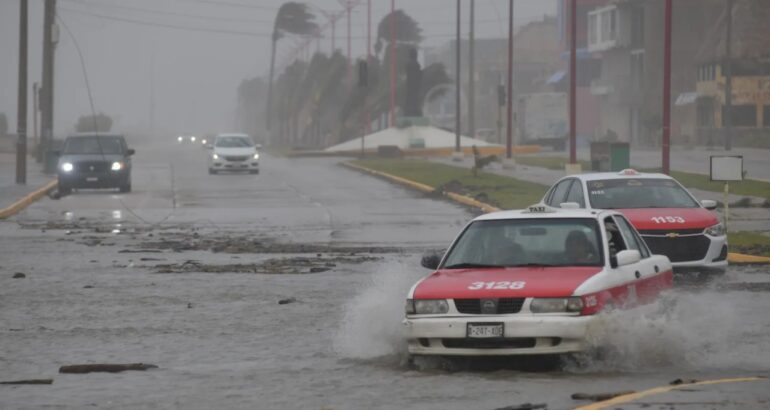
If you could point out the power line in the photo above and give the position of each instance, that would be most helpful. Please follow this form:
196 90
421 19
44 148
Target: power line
167 13
166 25
229 4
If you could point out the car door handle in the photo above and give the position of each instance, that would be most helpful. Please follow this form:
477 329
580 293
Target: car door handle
656 269
637 274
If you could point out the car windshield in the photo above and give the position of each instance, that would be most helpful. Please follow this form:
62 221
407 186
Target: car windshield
638 193
234 142
527 242
94 145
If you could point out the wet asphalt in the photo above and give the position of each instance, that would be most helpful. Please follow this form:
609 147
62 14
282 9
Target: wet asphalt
284 290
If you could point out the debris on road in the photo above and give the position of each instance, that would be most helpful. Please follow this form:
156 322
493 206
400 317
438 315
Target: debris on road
677 382
278 266
600 396
105 368
19 275
287 301
525 406
30 381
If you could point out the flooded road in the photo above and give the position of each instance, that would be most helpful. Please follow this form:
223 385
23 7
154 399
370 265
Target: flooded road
187 273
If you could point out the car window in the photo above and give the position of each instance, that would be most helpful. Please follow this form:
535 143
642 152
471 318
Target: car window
234 142
517 242
559 192
94 145
631 237
630 193
615 240
575 194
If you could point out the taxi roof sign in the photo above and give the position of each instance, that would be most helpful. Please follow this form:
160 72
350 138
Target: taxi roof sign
628 171
540 209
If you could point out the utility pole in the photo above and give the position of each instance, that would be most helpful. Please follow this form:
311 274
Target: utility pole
458 108
728 117
509 108
50 37
35 109
21 119
471 74
392 63
573 85
665 146
367 116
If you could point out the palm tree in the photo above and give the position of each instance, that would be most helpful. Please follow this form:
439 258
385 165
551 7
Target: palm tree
292 18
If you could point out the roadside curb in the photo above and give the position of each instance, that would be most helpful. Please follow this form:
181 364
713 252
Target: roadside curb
26 200
462 199
732 257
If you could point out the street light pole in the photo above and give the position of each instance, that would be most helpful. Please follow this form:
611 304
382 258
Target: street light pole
392 63
458 108
728 116
509 99
46 119
471 74
573 85
665 146
21 119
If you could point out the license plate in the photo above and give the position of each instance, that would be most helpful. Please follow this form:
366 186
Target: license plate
92 179
485 330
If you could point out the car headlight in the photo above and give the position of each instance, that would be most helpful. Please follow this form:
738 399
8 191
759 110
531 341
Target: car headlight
203 142
117 166
256 155
556 305
179 139
716 230
215 156
67 167
426 306
192 139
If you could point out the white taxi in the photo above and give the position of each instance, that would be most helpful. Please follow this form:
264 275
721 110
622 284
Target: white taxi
669 218
530 282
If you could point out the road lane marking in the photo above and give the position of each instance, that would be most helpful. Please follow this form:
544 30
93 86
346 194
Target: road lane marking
663 389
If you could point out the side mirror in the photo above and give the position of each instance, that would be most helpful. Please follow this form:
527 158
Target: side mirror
130 152
628 257
430 261
709 204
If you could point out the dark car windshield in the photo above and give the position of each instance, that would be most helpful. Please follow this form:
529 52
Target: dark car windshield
638 193
234 142
527 242
94 145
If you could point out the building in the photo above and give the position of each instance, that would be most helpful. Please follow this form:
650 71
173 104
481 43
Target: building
536 49
750 63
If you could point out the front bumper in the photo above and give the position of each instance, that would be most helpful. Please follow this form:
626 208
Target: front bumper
111 179
714 261
224 165
523 335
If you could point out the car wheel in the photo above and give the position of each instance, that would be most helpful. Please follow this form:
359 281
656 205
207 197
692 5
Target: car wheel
64 190
254 171
125 188
212 171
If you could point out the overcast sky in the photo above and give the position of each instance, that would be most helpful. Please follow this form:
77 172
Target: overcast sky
194 52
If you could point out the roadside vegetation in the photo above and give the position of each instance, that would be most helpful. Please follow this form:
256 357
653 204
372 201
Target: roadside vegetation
747 187
500 191
752 243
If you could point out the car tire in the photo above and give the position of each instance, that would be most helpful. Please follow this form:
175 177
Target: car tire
64 189
125 187
254 171
212 171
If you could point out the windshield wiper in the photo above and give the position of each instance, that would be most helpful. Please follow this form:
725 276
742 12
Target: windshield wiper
467 265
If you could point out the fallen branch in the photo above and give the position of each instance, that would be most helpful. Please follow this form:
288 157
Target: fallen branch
31 381
600 396
106 368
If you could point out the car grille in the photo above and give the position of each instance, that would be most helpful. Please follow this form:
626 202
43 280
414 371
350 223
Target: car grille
679 249
236 158
509 343
92 166
504 306
664 232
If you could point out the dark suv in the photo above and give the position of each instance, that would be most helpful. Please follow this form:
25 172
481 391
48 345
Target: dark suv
95 161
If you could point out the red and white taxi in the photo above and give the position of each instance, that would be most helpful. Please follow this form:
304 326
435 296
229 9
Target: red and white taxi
531 282
669 218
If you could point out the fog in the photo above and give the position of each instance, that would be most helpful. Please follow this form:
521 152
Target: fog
186 58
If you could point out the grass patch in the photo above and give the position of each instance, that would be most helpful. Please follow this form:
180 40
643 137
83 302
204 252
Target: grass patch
752 243
503 192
